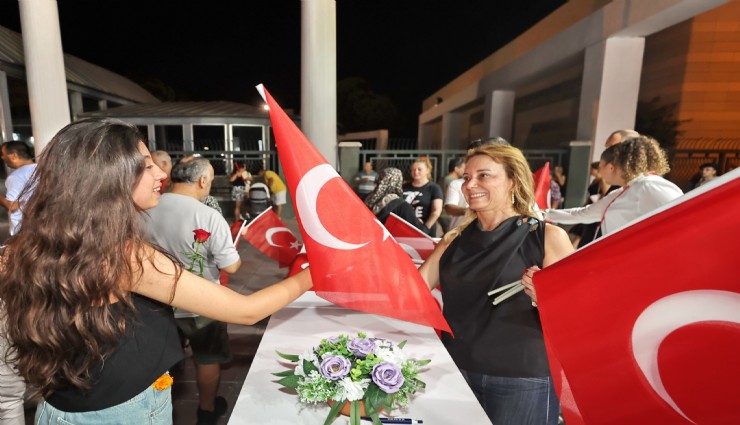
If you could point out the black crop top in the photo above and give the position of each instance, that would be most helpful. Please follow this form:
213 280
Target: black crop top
504 340
149 348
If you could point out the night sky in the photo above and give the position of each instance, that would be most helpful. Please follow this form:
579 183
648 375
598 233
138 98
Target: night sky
219 50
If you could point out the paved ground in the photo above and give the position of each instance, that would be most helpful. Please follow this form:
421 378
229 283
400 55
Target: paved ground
257 271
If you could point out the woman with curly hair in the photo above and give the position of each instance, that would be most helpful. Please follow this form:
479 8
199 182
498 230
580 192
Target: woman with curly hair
87 301
500 349
637 165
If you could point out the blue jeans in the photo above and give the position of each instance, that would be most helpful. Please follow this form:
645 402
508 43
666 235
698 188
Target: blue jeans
149 407
515 401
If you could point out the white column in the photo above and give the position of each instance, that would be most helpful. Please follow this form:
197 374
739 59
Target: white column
319 76
610 88
6 122
499 114
45 76
75 102
451 129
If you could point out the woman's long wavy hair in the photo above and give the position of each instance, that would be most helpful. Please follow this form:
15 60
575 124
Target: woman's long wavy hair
637 155
79 250
517 169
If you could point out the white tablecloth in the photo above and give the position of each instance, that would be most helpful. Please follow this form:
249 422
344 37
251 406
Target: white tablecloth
447 399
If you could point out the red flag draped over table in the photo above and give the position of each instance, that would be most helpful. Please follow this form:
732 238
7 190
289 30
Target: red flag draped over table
354 261
542 186
416 243
269 234
646 322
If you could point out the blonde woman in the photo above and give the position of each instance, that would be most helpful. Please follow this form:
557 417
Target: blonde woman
424 195
499 349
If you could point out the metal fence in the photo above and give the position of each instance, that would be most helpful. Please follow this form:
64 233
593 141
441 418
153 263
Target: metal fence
440 159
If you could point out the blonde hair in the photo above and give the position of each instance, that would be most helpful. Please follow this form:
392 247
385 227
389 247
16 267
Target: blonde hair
424 160
637 155
517 170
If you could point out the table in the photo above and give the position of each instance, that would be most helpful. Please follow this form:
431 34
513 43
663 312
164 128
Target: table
446 400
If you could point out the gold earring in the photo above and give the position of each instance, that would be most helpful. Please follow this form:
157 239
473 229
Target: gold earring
512 198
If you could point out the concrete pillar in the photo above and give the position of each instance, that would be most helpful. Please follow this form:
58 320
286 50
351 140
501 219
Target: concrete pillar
578 173
188 143
102 105
610 88
499 114
75 103
451 129
349 161
319 76
45 75
6 121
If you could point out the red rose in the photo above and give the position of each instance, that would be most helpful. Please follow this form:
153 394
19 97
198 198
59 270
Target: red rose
201 235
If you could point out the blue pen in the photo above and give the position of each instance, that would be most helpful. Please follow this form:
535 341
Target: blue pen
395 420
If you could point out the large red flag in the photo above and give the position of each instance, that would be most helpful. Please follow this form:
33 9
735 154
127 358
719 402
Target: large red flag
646 322
417 244
542 186
354 261
269 234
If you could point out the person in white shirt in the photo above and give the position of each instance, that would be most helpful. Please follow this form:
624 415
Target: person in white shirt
18 156
636 164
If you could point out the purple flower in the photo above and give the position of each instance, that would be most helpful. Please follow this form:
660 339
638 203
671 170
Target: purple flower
335 367
332 340
388 377
361 347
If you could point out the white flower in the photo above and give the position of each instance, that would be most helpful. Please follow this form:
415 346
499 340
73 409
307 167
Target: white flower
308 355
393 355
352 391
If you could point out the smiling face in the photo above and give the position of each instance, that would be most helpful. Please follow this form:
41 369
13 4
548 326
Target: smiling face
486 186
146 191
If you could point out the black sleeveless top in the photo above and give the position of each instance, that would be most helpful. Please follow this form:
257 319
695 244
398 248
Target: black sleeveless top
504 340
149 348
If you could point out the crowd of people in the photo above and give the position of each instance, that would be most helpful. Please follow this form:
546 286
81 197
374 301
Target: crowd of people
97 306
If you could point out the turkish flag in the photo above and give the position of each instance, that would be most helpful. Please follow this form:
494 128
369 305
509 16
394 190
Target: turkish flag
269 234
646 321
542 186
417 244
354 260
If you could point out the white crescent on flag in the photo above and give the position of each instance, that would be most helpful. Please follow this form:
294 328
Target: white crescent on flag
306 195
666 315
270 232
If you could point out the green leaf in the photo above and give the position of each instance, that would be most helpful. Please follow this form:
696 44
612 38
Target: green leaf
333 412
422 362
289 381
284 373
308 367
291 357
402 343
374 397
420 383
375 416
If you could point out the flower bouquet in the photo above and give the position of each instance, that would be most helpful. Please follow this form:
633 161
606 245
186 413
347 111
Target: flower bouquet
370 374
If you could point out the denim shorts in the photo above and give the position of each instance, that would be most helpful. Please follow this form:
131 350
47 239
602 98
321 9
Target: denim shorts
149 407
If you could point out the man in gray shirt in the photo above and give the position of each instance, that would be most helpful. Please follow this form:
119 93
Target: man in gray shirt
180 212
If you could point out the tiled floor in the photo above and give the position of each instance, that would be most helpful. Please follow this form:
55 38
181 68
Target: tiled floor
257 271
